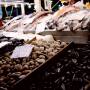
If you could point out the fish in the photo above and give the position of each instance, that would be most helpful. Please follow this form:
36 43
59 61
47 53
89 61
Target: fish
72 21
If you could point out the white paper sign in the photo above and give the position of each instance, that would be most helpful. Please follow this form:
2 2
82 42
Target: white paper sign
40 27
22 51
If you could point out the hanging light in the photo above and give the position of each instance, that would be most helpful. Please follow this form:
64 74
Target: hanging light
15 5
29 6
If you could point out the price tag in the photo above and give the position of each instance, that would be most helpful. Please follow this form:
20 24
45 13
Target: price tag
22 51
40 27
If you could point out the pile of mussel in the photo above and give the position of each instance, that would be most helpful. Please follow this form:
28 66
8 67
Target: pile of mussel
70 72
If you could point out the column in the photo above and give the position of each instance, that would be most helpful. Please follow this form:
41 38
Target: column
37 5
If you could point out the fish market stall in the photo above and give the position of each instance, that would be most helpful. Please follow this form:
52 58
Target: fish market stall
46 50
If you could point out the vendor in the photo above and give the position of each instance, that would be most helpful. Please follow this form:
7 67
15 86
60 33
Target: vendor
78 3
71 2
86 4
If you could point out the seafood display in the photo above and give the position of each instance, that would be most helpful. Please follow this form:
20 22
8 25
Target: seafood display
68 18
15 69
34 62
72 21
25 23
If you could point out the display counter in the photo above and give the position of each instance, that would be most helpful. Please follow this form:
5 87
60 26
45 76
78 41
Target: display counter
68 36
